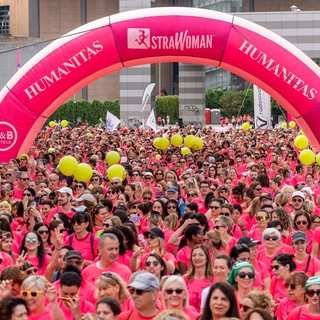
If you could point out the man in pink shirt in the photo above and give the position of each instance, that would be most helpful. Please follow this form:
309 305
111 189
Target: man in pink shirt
64 203
109 252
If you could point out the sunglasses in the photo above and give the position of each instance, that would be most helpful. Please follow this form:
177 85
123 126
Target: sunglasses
291 286
30 271
206 165
154 263
146 198
137 291
226 214
27 194
33 240
148 178
268 238
62 231
107 225
190 195
310 293
109 275
242 275
258 189
261 218
301 222
218 227
214 207
78 222
43 231
25 179
79 186
8 174
150 236
115 183
276 267
112 192
32 293
223 191
171 291
297 200
97 179
134 207
244 307
172 207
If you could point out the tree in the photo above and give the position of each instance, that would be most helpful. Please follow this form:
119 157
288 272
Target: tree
212 98
168 106
230 103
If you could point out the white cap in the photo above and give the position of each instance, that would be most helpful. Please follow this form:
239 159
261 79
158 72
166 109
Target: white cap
86 196
124 160
65 190
308 190
299 194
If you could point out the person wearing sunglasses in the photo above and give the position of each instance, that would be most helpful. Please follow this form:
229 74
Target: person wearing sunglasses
111 285
144 289
304 261
256 299
112 194
296 202
79 188
22 178
38 293
44 232
156 265
294 297
311 309
262 219
175 296
282 266
241 279
302 222
224 225
32 249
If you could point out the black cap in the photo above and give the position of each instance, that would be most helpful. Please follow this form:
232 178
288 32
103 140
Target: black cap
266 196
73 254
248 241
156 232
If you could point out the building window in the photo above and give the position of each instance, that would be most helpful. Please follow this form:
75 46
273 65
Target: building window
4 20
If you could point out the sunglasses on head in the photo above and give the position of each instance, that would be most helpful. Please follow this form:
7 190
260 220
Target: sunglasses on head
242 275
268 238
154 263
171 291
32 293
137 291
310 293
109 275
31 270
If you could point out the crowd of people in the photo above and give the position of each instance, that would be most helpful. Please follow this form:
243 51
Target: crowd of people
231 231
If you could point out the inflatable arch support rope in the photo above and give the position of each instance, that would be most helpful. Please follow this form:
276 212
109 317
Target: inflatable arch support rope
151 36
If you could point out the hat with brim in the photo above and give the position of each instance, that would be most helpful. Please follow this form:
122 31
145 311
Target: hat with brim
248 241
299 235
144 281
156 232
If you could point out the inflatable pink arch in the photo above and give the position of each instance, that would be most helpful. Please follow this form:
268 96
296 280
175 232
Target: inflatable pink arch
151 36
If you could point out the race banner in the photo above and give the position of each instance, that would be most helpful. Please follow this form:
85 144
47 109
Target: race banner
111 122
262 109
151 122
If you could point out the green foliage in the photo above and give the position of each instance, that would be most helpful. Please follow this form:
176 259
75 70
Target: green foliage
91 111
212 98
168 105
230 103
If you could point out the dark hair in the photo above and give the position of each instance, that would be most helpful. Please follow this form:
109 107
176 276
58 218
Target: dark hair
112 303
191 230
121 214
226 258
227 290
129 236
38 225
237 207
70 279
285 259
40 250
192 206
237 250
118 233
83 216
303 214
8 304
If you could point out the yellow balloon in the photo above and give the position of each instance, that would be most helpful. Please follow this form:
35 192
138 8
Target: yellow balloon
307 157
197 143
52 124
176 140
292 124
89 134
164 143
50 150
284 125
185 150
301 142
83 173
318 159
246 126
112 157
188 140
68 165
116 171
158 156
64 123
156 142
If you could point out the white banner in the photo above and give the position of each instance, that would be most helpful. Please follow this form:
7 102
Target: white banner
111 122
151 122
262 109
146 95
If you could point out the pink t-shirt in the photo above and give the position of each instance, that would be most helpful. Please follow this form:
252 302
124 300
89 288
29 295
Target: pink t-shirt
46 314
277 289
184 255
284 308
93 272
85 307
195 288
35 263
314 266
302 313
309 235
83 245
5 260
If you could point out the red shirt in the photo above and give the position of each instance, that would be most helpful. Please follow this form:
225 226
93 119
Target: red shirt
134 315
284 309
302 313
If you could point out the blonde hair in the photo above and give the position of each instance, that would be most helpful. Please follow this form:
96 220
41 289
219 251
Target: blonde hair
216 240
254 207
105 281
172 221
171 314
225 220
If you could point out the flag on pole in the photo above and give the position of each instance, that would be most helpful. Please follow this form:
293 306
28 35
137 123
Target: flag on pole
146 95
111 122
18 58
151 122
262 108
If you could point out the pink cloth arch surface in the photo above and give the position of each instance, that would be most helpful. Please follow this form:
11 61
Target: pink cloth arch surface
151 36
